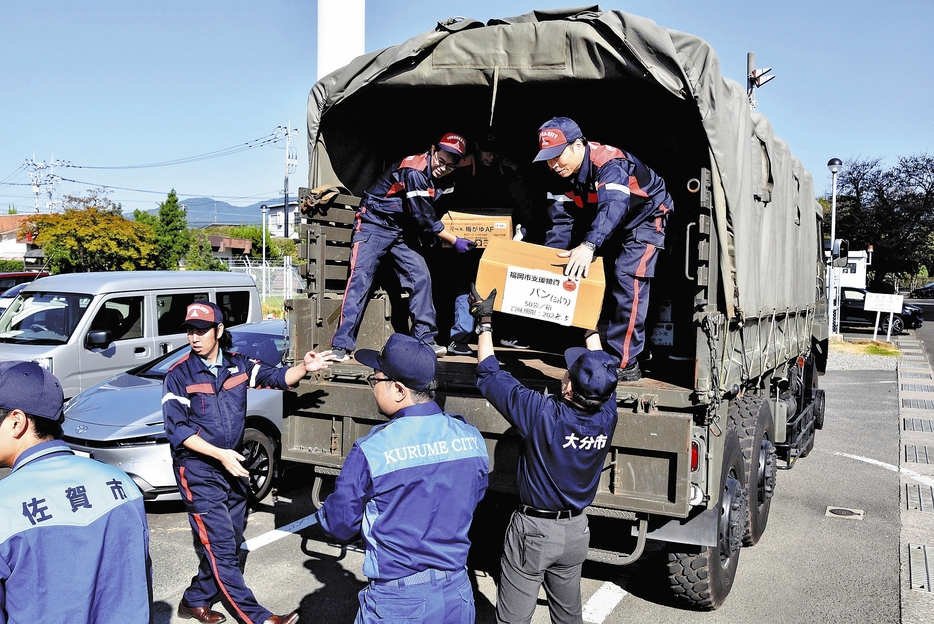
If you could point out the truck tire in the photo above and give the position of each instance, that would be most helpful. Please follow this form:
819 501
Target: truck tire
260 453
703 578
820 404
752 419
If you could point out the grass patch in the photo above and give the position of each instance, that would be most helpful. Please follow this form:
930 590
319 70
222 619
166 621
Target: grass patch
273 306
866 347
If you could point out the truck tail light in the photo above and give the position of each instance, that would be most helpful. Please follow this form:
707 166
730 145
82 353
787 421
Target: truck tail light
695 455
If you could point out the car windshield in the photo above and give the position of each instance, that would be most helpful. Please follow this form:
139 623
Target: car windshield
269 348
43 318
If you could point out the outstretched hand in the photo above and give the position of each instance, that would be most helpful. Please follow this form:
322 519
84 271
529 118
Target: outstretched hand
462 245
481 307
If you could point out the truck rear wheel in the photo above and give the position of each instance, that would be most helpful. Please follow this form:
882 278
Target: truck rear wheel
752 419
704 578
260 453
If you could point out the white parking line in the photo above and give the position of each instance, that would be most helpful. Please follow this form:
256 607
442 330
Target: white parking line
602 602
278 534
911 474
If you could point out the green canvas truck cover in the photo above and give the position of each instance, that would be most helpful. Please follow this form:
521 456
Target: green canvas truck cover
628 82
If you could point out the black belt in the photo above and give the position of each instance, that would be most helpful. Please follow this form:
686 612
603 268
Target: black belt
547 514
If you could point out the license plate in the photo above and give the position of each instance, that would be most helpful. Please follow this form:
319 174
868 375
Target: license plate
82 454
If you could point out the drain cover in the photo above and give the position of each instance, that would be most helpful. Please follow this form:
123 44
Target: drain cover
843 512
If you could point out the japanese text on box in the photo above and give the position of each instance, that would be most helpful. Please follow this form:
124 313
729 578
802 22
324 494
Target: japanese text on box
540 294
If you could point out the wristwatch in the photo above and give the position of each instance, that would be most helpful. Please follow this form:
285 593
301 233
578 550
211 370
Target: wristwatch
483 327
589 245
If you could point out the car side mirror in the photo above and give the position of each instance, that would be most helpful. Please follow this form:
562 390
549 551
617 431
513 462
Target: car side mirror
839 253
98 339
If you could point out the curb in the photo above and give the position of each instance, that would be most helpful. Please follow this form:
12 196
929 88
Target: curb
915 379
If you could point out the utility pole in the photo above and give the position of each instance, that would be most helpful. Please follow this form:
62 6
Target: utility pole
291 161
44 179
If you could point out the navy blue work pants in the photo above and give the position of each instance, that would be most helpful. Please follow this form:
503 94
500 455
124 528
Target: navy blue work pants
427 597
370 244
629 285
216 502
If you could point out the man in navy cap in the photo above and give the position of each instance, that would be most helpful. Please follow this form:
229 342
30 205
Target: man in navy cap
411 486
396 213
607 200
74 543
564 441
204 406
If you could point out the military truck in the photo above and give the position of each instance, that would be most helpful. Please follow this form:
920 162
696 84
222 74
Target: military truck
739 332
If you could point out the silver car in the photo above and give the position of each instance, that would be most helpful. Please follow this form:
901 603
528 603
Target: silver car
119 421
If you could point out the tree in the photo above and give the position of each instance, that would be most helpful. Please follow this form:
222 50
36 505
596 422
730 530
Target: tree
199 256
890 209
172 233
171 229
92 235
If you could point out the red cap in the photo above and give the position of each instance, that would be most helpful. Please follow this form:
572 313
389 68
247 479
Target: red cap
203 314
453 143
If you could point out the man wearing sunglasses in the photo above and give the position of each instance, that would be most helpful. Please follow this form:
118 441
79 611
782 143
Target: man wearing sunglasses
410 486
395 214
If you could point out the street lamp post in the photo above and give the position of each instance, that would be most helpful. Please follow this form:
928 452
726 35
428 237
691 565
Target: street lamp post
834 165
264 208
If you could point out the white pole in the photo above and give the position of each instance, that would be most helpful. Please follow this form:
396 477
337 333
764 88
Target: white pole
263 208
341 27
834 165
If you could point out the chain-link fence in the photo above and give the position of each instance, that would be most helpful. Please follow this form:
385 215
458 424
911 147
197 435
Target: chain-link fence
277 280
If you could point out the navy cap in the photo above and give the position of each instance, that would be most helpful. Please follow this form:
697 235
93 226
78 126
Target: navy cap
28 387
555 135
404 359
203 314
593 373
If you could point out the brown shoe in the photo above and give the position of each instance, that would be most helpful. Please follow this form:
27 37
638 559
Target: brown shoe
291 618
202 614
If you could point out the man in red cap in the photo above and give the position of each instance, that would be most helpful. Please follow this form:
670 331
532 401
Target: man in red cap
395 212
607 201
204 406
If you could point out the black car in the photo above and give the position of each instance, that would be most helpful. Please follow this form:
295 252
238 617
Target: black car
925 292
852 313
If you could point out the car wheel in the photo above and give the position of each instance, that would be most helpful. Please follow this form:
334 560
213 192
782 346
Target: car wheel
259 452
898 326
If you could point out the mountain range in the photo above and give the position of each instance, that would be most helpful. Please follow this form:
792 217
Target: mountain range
204 211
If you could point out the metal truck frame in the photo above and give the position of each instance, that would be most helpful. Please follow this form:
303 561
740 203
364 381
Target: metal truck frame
739 336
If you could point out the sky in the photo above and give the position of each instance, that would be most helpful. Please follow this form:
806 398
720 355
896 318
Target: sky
109 86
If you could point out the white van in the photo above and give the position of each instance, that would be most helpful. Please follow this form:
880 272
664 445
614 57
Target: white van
87 327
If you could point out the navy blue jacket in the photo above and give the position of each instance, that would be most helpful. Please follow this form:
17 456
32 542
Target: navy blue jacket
195 402
613 197
403 197
74 543
563 446
411 486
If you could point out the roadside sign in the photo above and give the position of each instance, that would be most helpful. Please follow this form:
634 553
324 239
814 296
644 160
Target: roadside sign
877 302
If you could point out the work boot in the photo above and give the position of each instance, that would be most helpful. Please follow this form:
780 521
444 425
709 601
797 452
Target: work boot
291 618
439 350
630 373
513 343
459 348
340 354
202 614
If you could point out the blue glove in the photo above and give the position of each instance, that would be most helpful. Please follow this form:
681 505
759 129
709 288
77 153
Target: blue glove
463 245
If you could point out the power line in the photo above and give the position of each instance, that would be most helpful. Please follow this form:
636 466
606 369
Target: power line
274 137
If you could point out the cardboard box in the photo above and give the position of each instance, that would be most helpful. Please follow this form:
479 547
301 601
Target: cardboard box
480 229
529 281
